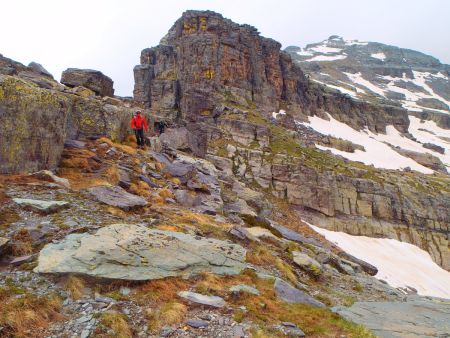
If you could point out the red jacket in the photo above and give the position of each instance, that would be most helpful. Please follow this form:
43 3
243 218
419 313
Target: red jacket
139 122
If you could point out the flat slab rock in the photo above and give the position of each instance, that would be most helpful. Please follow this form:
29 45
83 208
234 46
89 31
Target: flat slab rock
117 197
194 297
45 207
293 295
132 252
417 317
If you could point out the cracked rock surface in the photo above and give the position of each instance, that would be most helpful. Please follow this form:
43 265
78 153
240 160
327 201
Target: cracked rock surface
133 252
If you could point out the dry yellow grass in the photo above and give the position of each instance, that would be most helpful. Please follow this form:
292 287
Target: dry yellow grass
167 314
28 315
165 193
124 148
74 286
22 243
116 322
140 188
116 211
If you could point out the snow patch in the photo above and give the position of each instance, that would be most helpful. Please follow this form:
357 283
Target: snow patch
376 152
304 52
327 58
355 43
342 90
358 79
326 49
380 56
281 112
399 264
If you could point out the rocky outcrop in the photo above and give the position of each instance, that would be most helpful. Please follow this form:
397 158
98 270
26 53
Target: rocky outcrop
416 317
206 60
92 79
37 120
132 252
412 208
33 124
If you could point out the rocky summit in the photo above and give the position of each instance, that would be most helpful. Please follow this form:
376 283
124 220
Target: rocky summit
213 227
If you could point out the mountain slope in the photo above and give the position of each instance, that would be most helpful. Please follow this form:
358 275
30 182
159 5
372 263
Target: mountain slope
377 72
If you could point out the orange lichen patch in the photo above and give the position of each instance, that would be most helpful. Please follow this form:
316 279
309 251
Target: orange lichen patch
124 148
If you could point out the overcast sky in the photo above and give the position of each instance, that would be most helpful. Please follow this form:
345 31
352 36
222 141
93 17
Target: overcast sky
108 35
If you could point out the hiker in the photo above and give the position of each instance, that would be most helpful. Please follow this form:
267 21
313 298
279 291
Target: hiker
138 123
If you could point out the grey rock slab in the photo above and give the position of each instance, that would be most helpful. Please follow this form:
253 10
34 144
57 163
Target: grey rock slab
197 323
416 317
134 252
304 261
45 207
244 288
74 144
291 234
49 176
292 295
117 197
194 297
238 331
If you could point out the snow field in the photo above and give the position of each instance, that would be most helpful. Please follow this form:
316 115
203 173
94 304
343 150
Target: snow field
376 152
399 264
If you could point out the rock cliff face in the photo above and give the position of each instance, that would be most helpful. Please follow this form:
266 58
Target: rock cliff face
211 70
206 60
37 115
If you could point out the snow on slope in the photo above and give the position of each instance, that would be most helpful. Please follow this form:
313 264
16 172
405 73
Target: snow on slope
430 132
399 264
358 79
376 152
380 56
327 58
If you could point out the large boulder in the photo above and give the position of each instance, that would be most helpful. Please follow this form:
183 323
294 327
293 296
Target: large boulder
33 123
132 252
39 69
93 79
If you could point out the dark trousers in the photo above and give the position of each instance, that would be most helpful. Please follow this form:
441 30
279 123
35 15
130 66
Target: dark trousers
140 136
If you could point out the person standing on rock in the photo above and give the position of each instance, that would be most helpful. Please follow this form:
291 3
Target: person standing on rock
138 123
